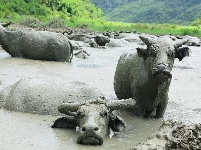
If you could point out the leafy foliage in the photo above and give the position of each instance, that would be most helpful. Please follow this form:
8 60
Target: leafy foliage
151 11
48 8
20 7
79 8
82 13
33 22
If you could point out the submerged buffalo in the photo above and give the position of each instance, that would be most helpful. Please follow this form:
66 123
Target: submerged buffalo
146 76
84 106
38 45
101 40
93 118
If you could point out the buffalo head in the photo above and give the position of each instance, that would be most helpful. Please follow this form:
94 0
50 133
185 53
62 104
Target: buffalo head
160 53
101 40
93 119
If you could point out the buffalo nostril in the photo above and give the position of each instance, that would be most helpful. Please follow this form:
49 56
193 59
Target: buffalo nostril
84 129
161 67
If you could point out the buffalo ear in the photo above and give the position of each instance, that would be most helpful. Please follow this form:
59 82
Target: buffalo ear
116 123
65 122
144 53
182 52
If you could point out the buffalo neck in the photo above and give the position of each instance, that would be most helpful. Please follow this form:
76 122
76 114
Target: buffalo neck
3 39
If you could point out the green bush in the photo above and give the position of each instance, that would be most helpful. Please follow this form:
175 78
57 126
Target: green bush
197 22
56 23
140 26
32 22
186 31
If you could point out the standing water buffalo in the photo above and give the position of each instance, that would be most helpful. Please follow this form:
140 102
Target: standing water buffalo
84 106
146 76
39 45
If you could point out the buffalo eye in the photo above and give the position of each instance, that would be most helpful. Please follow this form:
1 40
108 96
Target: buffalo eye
170 54
153 53
103 114
80 114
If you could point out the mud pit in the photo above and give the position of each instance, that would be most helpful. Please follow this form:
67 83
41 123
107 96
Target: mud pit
28 131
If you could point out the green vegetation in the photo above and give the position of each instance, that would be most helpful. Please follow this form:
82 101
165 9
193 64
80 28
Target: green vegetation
151 11
69 10
82 13
172 29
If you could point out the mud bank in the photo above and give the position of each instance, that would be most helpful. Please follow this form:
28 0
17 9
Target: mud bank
174 135
28 131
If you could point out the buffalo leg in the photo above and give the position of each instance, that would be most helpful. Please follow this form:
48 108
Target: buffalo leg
161 108
139 111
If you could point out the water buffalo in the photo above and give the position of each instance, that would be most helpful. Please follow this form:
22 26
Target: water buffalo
111 34
192 41
93 118
85 106
101 40
117 43
39 45
146 76
6 24
77 37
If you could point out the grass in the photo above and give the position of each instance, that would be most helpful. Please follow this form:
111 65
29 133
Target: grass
101 25
151 28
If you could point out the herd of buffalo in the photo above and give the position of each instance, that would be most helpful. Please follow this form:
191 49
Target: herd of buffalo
141 81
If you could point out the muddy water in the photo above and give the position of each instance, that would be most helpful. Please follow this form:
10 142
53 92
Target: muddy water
184 93
28 131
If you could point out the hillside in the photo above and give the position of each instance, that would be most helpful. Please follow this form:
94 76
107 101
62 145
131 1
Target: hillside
46 9
151 11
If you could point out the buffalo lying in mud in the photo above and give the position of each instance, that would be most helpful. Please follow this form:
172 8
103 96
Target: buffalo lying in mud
85 107
146 76
38 45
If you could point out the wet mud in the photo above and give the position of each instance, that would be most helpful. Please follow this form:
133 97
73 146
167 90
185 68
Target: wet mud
31 131
174 136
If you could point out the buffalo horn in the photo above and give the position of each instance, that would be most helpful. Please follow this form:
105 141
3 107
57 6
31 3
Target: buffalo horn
121 104
68 107
179 43
147 39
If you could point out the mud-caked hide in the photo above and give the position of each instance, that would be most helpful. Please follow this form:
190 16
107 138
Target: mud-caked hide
37 45
101 40
146 75
43 96
85 107
94 118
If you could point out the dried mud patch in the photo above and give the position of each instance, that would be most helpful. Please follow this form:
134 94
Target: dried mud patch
173 136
